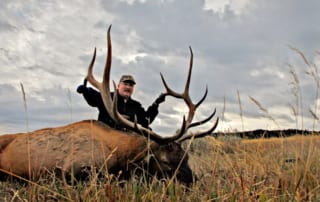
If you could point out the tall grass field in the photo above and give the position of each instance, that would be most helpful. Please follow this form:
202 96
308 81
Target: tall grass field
228 169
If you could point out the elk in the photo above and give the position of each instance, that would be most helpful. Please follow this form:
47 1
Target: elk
93 144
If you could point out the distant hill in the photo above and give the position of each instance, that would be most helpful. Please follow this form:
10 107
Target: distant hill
267 133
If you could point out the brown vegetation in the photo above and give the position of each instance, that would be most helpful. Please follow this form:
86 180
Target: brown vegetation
277 169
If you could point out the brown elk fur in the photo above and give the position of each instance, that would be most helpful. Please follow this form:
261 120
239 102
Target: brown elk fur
84 144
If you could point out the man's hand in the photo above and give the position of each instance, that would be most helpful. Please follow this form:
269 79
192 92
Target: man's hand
160 99
82 87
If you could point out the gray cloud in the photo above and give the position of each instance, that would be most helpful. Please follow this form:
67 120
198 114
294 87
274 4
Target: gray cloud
48 45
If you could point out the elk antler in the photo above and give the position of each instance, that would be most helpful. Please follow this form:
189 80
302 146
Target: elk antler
112 108
104 86
192 107
111 105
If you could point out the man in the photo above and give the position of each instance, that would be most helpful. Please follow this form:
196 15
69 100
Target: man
127 106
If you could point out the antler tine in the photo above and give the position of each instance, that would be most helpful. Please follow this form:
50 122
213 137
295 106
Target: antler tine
90 76
105 92
203 97
186 89
203 121
199 134
104 86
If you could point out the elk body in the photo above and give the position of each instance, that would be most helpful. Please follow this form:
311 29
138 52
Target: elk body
82 145
92 144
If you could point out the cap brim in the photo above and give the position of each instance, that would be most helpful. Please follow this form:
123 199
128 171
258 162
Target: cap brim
129 81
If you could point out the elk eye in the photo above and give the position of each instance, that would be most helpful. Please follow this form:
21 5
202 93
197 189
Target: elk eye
170 147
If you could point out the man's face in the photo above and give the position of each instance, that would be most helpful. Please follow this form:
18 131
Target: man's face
125 89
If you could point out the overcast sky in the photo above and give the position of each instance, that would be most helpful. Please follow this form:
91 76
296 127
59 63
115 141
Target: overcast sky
241 51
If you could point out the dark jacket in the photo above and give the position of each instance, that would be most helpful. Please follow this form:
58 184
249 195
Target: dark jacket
129 108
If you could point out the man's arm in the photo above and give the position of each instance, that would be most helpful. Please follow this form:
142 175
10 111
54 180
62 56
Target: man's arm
144 118
92 96
152 110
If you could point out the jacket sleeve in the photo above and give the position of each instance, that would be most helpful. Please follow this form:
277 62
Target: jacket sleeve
145 118
152 112
92 97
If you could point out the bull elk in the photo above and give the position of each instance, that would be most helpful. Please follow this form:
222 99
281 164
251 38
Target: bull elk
92 144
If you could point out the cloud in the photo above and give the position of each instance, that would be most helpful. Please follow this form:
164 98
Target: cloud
238 46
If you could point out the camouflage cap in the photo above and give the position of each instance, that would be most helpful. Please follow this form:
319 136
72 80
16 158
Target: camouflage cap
127 78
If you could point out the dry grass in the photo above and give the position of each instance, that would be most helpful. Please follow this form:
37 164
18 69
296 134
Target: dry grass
282 169
277 169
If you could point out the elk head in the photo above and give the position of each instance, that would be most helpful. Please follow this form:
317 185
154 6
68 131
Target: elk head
169 158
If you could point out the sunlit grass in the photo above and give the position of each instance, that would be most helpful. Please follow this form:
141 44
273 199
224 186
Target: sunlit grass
281 169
